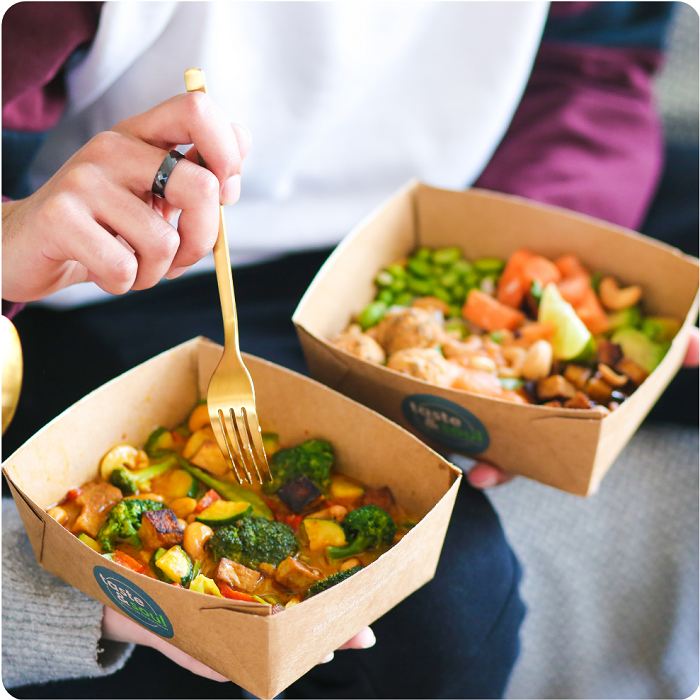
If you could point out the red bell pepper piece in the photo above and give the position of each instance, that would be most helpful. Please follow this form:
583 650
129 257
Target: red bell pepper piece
229 593
128 562
206 500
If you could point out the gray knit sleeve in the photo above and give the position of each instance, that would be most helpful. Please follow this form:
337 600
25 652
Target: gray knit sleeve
50 630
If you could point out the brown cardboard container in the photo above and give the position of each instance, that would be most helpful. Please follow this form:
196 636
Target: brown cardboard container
565 448
253 649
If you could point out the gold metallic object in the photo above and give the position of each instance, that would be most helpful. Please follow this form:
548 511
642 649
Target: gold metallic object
231 396
12 367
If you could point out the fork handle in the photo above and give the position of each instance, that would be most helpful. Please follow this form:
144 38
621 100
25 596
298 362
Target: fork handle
195 82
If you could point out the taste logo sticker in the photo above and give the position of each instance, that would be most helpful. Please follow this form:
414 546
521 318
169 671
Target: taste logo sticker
445 422
137 604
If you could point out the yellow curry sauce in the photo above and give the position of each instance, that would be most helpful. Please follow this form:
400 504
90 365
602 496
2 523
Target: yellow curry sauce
201 530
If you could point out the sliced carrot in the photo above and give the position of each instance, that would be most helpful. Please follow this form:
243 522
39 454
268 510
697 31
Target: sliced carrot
574 289
511 288
489 314
570 266
540 269
592 314
206 500
229 593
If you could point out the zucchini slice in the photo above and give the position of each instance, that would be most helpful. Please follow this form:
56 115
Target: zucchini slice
178 484
172 565
224 513
160 442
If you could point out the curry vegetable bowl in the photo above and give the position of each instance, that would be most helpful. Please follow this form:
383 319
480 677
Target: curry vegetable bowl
240 638
172 512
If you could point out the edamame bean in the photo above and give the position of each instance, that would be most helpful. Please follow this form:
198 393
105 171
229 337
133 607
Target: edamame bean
449 279
372 314
446 256
386 296
489 266
383 279
420 268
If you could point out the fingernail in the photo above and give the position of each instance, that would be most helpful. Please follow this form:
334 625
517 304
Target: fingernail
328 658
368 639
172 274
483 481
245 131
231 191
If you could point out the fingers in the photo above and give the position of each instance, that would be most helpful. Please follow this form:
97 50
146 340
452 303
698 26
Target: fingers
364 639
192 118
484 476
691 356
122 629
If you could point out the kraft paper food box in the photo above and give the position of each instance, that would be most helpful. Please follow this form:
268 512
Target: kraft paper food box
569 449
243 642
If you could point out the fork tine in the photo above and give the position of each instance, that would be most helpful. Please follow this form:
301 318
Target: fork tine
253 448
255 437
227 442
245 432
241 445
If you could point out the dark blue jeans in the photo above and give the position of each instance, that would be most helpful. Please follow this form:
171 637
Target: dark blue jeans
457 637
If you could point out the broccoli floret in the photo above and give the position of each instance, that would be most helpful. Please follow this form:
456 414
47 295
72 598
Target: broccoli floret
367 526
312 458
123 523
252 541
331 580
131 482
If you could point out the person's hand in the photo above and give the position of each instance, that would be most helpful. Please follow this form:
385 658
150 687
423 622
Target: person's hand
119 628
96 218
484 475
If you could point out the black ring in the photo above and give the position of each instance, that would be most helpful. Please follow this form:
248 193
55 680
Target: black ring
166 167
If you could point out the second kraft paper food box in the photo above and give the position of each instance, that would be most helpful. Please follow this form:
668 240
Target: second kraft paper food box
263 653
569 449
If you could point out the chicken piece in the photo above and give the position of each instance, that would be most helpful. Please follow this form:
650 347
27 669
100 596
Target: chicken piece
408 328
484 383
354 341
160 528
238 576
95 500
295 575
382 498
424 363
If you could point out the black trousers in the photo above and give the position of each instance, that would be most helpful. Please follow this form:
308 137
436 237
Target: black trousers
457 637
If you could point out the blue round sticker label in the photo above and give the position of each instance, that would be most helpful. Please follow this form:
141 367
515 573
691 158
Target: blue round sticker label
137 604
445 422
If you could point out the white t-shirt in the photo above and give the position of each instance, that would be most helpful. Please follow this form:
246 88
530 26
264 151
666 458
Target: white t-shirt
345 101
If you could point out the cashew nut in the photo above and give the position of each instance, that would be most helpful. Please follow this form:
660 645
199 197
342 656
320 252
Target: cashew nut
485 364
612 377
182 507
614 298
349 564
538 361
196 535
58 514
122 456
515 356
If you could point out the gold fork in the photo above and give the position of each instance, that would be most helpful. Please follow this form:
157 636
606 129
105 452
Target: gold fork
231 396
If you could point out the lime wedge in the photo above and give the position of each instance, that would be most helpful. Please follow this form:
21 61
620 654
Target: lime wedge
571 335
